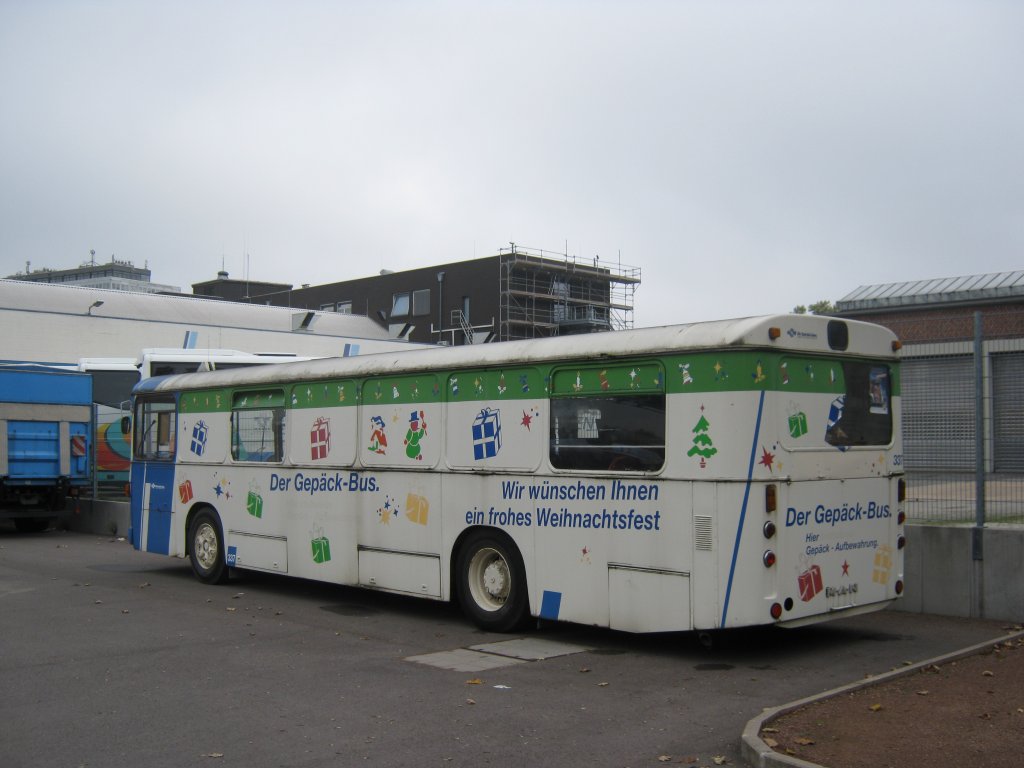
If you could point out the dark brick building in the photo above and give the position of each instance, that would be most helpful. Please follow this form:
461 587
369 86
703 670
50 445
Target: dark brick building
517 294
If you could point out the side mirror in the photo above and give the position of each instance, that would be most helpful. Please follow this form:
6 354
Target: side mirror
126 425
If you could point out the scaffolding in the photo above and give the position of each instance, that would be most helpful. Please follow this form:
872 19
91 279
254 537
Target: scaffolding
543 293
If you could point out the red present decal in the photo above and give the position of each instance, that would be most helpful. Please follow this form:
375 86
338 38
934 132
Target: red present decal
810 583
185 491
320 439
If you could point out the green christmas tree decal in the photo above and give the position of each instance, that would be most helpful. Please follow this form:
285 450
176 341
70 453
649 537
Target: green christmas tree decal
703 445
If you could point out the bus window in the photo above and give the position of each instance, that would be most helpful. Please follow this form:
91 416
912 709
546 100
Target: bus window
608 419
156 424
862 415
257 426
624 433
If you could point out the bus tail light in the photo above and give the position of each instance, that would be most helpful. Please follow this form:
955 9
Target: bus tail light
768 558
901 490
901 518
776 611
770 500
769 529
774 332
899 586
901 542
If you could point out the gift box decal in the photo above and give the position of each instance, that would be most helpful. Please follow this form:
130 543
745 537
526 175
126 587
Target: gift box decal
200 433
810 583
254 503
417 508
487 434
320 439
321 546
185 491
798 424
883 565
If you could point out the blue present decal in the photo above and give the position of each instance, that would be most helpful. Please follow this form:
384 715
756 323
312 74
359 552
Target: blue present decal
199 435
487 434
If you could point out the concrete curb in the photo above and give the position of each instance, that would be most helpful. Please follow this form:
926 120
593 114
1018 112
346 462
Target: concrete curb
759 755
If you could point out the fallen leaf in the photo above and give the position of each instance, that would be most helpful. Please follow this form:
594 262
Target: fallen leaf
771 742
584 669
664 758
803 741
922 693
988 673
769 730
475 681
719 760
232 609
602 685
470 701
875 707
213 754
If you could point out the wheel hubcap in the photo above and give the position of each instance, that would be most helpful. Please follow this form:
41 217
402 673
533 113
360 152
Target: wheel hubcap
205 546
489 579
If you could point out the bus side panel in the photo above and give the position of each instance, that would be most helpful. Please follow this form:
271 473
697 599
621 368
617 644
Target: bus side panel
611 552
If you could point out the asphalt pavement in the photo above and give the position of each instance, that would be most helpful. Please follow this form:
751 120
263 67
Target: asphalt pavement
112 657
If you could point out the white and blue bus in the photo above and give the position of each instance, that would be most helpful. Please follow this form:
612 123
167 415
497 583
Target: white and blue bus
703 476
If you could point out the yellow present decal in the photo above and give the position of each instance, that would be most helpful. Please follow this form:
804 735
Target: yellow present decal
417 508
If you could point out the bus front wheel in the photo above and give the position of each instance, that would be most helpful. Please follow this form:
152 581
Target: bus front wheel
491 584
206 548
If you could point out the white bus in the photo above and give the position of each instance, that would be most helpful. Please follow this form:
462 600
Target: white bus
703 476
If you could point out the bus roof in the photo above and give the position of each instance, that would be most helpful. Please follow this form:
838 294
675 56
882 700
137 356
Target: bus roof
798 333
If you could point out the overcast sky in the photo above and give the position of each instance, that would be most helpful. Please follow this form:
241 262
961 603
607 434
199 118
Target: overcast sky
746 156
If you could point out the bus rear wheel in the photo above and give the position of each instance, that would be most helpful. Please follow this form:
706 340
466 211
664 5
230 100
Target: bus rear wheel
206 548
491 582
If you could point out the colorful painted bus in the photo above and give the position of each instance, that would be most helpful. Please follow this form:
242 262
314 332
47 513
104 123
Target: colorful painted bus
692 477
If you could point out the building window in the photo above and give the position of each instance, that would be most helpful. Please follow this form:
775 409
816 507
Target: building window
400 305
421 302
341 307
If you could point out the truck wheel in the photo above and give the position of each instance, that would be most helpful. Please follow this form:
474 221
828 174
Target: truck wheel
206 548
491 581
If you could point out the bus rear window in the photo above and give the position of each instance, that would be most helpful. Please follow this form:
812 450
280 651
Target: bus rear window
863 414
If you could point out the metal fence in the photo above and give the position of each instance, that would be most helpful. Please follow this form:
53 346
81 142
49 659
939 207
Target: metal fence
963 427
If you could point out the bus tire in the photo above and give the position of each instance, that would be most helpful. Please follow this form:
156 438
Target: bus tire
206 548
491 581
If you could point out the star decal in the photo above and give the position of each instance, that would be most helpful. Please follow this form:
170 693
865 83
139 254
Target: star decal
527 419
846 568
766 458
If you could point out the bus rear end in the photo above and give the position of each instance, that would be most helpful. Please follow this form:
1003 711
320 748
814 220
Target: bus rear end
833 525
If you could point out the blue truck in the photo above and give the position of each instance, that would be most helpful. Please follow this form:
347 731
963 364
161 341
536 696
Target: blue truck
45 442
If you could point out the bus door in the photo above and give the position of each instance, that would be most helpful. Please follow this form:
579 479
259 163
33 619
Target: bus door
155 429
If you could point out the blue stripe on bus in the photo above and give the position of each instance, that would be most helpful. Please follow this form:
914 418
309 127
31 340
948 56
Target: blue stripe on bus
743 510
